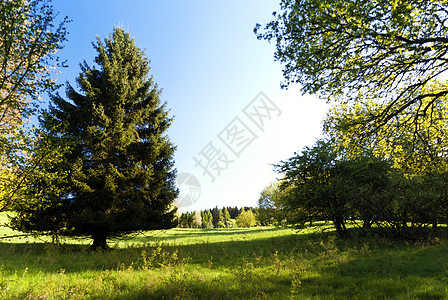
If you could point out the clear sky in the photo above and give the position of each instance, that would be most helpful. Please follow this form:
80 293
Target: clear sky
212 69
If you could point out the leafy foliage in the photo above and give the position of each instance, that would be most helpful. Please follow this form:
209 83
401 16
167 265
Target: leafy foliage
414 145
226 217
29 40
358 51
319 186
246 219
28 45
270 205
383 64
324 186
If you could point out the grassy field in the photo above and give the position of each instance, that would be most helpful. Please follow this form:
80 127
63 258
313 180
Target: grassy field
261 263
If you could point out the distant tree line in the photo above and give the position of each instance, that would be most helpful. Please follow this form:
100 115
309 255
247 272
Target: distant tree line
226 217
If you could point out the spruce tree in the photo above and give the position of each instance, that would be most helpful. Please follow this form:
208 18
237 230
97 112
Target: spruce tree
120 166
226 217
207 219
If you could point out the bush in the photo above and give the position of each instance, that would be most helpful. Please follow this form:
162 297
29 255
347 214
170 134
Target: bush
245 219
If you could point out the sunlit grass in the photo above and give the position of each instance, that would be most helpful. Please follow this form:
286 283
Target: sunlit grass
260 263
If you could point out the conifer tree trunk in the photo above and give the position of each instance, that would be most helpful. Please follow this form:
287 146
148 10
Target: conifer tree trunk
99 241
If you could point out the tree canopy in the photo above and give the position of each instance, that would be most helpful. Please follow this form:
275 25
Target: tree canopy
119 162
29 39
246 219
356 51
319 186
367 190
414 146
270 204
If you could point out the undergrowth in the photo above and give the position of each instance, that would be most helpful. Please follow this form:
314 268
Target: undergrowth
257 263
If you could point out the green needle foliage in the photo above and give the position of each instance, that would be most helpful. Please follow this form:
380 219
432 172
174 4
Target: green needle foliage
119 162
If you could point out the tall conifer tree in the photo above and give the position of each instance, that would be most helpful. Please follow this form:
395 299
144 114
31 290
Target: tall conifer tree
120 164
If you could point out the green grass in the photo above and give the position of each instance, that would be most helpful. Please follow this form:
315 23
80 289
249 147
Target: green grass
263 263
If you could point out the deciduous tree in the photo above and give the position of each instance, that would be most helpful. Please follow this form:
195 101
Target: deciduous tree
29 40
226 217
245 219
355 51
197 219
318 187
269 205
415 146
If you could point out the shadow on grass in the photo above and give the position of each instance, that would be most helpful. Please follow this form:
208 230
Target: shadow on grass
322 267
15 257
402 272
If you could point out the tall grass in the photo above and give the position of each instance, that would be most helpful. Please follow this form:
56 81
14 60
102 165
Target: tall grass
260 263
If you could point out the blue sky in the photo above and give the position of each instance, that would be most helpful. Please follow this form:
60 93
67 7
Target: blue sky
212 69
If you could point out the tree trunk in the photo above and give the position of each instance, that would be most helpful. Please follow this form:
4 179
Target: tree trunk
434 228
340 228
366 224
99 241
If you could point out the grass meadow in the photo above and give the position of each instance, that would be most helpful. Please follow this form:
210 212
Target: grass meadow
255 263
